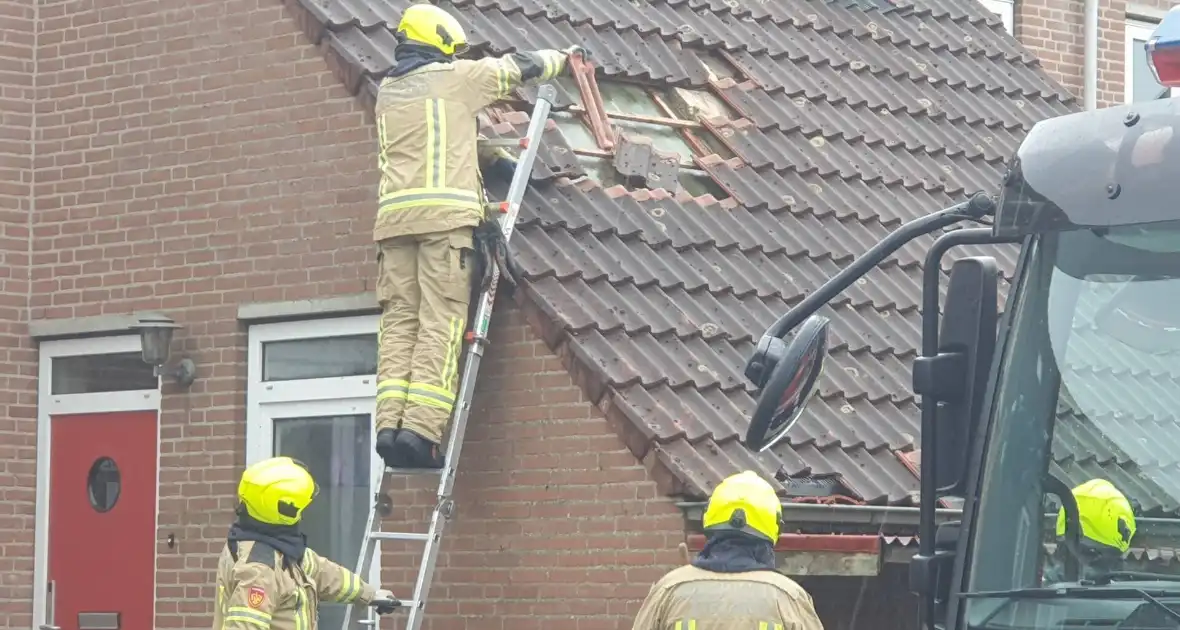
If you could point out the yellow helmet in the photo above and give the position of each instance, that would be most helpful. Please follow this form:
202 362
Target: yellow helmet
276 490
434 27
1105 515
745 502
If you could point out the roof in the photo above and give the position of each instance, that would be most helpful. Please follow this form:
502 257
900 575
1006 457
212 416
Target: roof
1117 414
831 123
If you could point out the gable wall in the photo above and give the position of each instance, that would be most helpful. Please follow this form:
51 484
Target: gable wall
195 156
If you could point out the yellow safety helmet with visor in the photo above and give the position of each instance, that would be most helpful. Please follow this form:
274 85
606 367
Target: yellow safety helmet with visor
432 26
745 502
1104 513
275 491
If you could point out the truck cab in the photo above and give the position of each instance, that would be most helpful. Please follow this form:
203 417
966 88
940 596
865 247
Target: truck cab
1076 377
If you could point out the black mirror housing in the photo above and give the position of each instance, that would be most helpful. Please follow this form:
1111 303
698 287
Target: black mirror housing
795 369
956 377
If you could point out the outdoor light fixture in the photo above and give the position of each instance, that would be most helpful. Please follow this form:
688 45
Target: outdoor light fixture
155 338
1163 50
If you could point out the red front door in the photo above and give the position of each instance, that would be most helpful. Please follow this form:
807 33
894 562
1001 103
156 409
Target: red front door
102 519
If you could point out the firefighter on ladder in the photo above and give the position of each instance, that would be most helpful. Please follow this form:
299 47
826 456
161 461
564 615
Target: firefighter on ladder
267 577
430 220
733 582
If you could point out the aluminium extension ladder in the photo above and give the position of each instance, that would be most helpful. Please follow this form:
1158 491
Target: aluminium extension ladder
477 338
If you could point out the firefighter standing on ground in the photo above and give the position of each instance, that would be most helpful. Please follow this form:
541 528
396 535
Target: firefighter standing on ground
430 202
267 577
1107 527
733 582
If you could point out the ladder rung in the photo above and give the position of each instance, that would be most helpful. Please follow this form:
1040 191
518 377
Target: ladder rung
407 605
506 142
400 536
413 471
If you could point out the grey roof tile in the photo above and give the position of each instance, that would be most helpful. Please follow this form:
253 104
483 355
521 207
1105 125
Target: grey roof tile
871 125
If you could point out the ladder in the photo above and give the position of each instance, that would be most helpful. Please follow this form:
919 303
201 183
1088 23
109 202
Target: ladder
477 339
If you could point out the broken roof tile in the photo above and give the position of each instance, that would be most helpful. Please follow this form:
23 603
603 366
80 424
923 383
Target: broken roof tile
635 156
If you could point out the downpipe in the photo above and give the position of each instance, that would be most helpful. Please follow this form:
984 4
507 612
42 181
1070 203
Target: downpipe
1090 62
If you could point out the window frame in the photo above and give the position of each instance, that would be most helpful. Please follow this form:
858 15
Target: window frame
329 396
1004 9
688 130
1135 28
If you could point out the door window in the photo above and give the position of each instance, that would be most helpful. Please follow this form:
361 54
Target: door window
101 373
336 451
103 484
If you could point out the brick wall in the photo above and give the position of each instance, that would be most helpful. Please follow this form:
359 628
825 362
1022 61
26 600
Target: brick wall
1053 30
18 424
193 155
555 517
189 161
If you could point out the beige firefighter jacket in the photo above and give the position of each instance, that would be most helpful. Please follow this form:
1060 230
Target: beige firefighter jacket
690 598
426 125
256 592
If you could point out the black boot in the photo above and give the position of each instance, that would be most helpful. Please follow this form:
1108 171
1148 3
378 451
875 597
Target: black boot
411 450
387 445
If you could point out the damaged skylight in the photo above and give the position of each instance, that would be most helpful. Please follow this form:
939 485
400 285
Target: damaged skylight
655 136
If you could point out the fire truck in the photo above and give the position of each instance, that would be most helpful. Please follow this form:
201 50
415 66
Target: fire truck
1077 378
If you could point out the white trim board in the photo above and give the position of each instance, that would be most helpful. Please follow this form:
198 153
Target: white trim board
336 396
48 406
1002 8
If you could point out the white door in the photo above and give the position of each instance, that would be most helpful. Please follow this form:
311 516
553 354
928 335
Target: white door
312 389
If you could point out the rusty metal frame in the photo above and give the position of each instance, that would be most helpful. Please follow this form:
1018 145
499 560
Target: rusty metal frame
694 143
640 118
583 70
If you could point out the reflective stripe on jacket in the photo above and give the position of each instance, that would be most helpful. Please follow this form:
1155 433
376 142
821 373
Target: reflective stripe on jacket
257 592
426 125
690 598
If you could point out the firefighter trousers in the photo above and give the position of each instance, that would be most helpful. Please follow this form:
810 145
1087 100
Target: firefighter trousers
424 286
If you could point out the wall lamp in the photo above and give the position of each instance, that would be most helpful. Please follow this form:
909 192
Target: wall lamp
155 338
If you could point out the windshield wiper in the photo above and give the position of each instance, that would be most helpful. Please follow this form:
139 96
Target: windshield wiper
1080 592
1106 578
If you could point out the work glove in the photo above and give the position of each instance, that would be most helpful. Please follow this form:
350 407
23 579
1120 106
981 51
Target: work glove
384 602
492 249
577 50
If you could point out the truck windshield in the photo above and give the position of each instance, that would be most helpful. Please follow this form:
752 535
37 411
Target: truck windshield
1089 389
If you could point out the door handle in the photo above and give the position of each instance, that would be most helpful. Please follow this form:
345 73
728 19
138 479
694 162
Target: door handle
50 607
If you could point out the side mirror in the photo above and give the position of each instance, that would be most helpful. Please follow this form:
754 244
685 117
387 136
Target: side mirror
792 382
955 379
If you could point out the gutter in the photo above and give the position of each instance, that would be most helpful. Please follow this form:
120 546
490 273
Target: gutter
864 515
1163 532
1090 65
